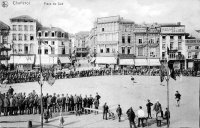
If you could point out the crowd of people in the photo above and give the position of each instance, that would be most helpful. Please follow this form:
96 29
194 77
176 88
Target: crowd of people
21 103
31 76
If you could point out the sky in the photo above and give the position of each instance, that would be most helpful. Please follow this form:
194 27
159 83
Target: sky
79 15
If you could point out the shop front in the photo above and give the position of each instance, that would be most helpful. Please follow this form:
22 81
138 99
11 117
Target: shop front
106 62
22 62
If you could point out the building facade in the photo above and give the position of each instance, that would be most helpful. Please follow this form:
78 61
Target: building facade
147 50
53 46
24 41
192 54
172 37
5 45
81 44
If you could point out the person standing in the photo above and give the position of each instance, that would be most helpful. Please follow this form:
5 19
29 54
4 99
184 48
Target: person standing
6 104
1 104
10 90
157 107
96 105
140 113
167 116
119 112
131 117
149 104
105 111
177 97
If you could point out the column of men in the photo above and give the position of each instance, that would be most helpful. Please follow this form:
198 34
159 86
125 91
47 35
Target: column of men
20 103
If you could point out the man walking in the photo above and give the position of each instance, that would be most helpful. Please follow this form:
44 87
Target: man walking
149 104
140 113
119 112
177 97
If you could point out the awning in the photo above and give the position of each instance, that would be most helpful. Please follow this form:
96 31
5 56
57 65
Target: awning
154 62
21 59
106 60
141 62
46 60
126 62
65 60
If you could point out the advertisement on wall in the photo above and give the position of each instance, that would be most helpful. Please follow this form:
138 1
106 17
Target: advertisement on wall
173 29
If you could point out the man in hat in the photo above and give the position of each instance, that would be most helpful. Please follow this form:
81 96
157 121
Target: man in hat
149 104
177 97
119 112
131 117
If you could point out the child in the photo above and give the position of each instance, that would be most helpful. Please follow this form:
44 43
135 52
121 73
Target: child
61 120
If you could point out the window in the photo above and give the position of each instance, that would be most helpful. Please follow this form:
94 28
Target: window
25 28
20 37
123 39
140 41
25 37
5 39
140 51
31 48
189 55
163 46
39 34
179 46
52 34
163 37
46 34
20 47
151 41
196 47
171 37
39 51
52 42
46 51
52 50
163 55
107 50
20 27
62 43
62 34
171 45
46 42
31 37
63 50
189 47
129 50
31 27
101 50
129 39
102 29
196 55
14 37
123 50
14 27
179 37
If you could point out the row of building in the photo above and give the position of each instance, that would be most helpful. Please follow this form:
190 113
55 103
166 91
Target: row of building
113 42
119 42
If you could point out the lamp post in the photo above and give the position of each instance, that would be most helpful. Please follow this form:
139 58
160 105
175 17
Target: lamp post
41 83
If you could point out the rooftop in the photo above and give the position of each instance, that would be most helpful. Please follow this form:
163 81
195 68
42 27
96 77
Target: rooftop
51 29
4 26
23 18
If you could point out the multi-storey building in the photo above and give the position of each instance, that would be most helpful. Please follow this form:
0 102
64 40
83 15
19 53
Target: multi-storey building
172 36
23 37
147 45
114 40
5 46
192 54
54 46
81 45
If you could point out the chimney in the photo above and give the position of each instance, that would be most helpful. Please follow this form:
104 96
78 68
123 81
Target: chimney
178 23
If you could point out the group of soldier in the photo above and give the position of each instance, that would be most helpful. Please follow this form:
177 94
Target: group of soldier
19 103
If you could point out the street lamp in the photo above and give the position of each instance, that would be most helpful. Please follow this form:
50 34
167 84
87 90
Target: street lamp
41 82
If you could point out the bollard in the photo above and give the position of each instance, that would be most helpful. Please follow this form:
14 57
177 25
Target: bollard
29 124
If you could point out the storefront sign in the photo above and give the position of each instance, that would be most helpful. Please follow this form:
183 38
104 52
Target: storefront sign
173 29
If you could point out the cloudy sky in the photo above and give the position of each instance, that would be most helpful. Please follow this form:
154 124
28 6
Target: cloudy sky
79 15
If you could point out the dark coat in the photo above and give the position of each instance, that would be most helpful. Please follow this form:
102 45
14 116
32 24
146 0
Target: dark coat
131 114
105 108
119 111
